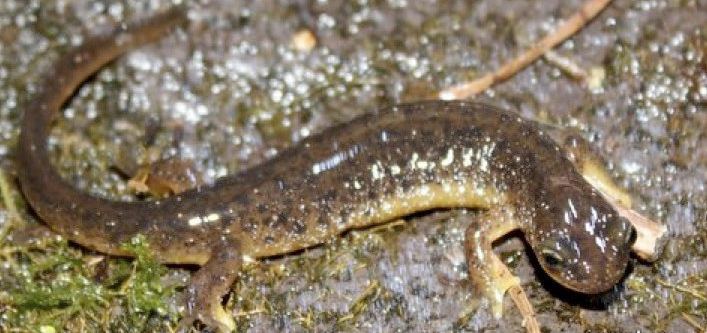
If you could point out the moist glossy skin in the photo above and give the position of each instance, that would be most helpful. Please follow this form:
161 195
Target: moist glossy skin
384 165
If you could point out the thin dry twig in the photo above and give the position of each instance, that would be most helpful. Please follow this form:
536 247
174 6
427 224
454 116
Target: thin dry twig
650 235
693 322
566 65
573 24
692 292
526 309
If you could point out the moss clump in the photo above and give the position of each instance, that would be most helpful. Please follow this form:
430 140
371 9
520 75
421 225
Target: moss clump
53 287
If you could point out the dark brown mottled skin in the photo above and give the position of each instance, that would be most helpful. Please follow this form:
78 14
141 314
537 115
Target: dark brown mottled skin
380 166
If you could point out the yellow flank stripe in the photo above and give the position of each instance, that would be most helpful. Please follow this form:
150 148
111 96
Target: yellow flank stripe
385 209
426 197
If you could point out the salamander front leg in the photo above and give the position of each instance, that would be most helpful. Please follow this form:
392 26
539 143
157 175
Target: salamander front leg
207 287
490 276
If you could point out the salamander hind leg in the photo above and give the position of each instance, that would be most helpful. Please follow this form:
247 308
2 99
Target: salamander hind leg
207 287
488 274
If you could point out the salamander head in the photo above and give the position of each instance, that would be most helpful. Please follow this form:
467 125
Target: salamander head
579 239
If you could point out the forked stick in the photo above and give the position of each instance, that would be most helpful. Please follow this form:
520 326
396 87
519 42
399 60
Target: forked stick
573 24
650 234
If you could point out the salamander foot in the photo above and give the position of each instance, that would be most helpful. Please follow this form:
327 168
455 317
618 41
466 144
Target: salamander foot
487 272
207 287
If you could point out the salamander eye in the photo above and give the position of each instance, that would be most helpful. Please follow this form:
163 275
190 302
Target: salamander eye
631 236
552 257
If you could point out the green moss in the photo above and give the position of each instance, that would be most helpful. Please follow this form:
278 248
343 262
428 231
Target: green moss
55 287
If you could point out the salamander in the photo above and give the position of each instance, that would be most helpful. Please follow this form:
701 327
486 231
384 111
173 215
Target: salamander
380 166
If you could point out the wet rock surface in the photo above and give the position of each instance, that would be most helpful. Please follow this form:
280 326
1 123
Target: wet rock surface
234 88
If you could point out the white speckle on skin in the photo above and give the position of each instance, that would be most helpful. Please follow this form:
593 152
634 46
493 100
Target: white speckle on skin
213 217
574 211
394 169
377 172
586 266
483 165
424 190
601 242
413 160
195 221
566 217
589 228
334 160
448 159
386 206
467 154
199 220
575 246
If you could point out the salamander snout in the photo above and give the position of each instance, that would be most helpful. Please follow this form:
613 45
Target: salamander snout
580 240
